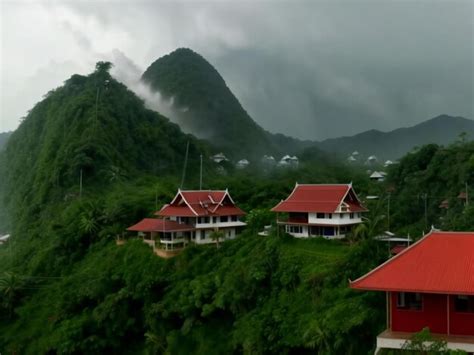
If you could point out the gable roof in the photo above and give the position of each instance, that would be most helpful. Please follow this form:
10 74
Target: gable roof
159 225
195 203
319 198
441 262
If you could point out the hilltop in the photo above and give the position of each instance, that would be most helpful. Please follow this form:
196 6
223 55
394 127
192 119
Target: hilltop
92 128
206 107
394 144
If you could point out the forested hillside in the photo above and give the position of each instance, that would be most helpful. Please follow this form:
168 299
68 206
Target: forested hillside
93 131
394 144
206 106
66 287
436 177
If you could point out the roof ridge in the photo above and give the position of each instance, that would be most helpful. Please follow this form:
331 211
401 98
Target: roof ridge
348 184
203 190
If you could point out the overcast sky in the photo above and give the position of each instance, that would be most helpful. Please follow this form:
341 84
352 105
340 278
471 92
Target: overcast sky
308 69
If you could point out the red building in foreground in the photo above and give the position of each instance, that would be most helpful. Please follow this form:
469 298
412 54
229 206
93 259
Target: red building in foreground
429 284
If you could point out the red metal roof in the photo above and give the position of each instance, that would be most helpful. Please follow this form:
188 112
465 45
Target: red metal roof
441 262
319 198
181 211
201 203
159 225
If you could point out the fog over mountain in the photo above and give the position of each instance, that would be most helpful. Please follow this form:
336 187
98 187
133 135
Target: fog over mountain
310 70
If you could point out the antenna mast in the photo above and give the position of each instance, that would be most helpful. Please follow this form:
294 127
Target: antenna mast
185 165
200 176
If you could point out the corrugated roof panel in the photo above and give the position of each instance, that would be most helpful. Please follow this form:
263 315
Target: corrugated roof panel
441 262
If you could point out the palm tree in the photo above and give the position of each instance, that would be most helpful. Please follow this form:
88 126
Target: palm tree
368 229
10 284
217 235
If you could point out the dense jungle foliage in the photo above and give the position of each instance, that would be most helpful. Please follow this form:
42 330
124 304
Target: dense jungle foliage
67 288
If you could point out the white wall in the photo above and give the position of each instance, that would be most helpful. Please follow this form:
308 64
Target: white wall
337 219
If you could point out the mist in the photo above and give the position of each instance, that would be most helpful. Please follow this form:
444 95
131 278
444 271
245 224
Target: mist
312 70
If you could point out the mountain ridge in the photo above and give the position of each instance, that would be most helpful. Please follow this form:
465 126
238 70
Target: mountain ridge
211 111
442 129
207 107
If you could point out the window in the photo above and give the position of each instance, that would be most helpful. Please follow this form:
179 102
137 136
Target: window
319 215
343 215
295 229
464 304
409 300
224 218
330 215
351 215
214 219
234 218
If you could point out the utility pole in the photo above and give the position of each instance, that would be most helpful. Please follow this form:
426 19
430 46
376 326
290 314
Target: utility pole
467 195
185 165
96 107
80 184
425 198
388 212
200 175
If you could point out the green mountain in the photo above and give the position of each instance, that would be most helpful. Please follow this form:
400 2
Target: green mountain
206 107
92 129
4 138
394 144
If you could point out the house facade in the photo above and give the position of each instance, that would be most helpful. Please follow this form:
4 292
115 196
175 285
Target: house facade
429 284
192 217
330 211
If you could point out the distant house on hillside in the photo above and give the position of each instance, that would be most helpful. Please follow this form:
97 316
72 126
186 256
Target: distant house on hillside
268 160
191 217
330 211
388 163
4 238
241 164
371 160
429 284
219 157
289 161
351 159
377 176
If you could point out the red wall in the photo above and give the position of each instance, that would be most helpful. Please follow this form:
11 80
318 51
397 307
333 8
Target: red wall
460 323
433 315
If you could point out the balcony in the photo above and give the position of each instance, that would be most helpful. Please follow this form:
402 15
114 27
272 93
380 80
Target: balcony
169 240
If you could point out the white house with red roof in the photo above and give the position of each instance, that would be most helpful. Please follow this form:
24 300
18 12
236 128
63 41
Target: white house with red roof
327 210
191 217
429 284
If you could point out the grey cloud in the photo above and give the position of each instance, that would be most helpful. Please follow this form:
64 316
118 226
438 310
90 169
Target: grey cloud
309 69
